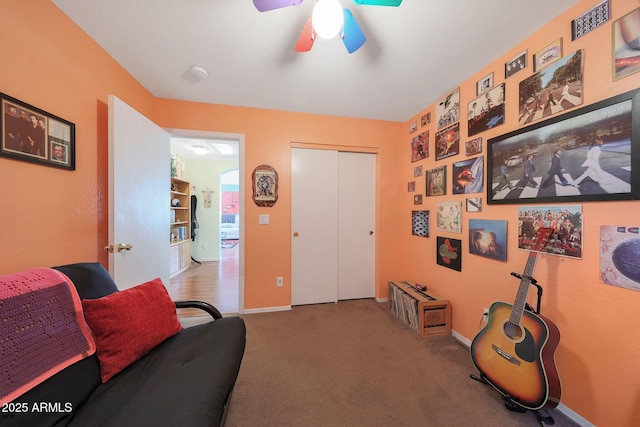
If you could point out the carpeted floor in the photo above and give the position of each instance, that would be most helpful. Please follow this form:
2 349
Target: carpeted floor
355 364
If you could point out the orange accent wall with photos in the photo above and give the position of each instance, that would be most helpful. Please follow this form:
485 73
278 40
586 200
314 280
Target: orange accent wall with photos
53 216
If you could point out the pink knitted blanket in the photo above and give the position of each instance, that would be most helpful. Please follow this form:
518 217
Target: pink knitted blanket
42 329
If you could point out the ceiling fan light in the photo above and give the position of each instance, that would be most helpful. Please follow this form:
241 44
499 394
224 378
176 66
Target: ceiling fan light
327 18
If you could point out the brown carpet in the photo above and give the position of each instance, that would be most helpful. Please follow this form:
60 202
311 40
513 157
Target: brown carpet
355 364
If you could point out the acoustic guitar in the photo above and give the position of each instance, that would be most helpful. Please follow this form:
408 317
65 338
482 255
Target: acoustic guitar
514 352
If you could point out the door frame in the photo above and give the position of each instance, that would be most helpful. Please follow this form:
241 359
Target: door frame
351 149
240 137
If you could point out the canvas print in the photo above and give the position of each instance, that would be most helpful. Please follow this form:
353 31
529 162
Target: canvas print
484 84
553 90
620 256
448 142
567 221
417 171
420 223
411 186
474 204
473 147
467 176
448 110
420 147
425 120
590 20
436 181
417 199
486 111
548 55
626 45
449 217
488 238
449 253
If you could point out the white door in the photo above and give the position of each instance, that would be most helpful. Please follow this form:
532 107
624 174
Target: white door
139 181
332 225
356 225
314 226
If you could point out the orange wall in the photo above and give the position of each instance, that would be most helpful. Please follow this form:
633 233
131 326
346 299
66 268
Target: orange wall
599 351
55 216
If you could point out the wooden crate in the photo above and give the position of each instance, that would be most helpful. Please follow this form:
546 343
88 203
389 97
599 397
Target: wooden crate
424 311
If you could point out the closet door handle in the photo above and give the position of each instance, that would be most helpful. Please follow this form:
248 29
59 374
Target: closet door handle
371 233
295 234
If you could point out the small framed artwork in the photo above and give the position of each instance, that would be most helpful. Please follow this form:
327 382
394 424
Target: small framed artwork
484 84
264 181
590 20
448 142
473 147
448 109
425 120
417 171
448 217
420 146
449 253
33 135
626 48
486 111
474 204
467 176
411 186
567 222
620 256
413 127
488 238
436 181
547 56
417 199
518 63
420 223
554 90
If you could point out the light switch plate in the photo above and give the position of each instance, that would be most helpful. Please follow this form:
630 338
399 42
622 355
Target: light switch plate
263 219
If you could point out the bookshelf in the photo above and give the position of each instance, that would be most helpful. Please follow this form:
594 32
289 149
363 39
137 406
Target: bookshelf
180 227
423 311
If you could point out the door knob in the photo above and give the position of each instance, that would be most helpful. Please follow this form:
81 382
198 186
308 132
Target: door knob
124 247
295 234
371 233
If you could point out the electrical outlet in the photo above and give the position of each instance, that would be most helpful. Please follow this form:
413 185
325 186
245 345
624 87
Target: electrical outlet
279 282
485 315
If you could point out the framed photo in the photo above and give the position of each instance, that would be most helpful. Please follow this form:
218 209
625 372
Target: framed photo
448 110
587 154
417 171
467 176
420 146
265 186
486 111
473 147
548 55
488 238
448 142
425 120
420 223
474 204
413 127
411 186
34 135
417 199
436 181
518 63
626 49
619 256
556 89
484 84
449 217
449 253
590 20
567 222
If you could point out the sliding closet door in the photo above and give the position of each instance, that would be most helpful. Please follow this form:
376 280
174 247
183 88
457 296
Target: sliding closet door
356 225
314 226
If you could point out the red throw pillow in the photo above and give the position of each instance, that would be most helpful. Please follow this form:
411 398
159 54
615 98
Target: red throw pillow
128 324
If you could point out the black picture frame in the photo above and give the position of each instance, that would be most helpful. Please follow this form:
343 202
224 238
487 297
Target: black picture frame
30 134
615 121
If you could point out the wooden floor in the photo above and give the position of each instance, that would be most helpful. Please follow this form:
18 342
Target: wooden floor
215 282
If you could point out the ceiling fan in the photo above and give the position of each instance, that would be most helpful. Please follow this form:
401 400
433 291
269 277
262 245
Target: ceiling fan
328 19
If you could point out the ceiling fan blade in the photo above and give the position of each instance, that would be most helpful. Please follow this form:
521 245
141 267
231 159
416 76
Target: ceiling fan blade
394 3
307 37
265 5
352 37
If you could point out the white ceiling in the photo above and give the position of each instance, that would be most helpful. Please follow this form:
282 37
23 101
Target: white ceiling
414 53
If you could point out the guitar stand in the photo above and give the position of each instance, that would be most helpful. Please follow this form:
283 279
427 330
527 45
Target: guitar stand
541 415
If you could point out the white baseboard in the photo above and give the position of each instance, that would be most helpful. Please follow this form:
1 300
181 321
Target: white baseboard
267 309
382 299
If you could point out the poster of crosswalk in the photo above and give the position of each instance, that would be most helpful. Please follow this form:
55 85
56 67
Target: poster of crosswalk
585 155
